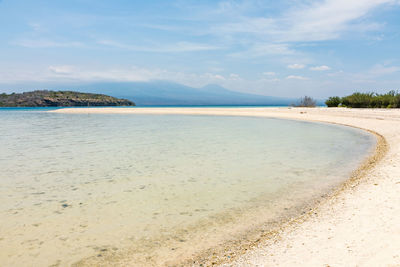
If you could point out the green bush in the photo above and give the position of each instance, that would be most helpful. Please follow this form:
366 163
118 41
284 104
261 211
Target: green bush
333 101
366 100
358 100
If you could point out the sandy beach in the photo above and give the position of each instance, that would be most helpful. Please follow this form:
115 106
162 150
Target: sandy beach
359 225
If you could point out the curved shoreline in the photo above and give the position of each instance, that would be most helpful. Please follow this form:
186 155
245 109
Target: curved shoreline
356 177
255 253
377 153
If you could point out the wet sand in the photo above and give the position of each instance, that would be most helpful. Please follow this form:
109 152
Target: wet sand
359 225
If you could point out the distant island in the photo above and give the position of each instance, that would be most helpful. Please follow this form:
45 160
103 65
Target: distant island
44 98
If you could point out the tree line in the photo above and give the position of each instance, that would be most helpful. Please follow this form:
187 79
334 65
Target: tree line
366 100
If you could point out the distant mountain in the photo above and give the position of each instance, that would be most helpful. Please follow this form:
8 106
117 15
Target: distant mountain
169 94
162 93
43 98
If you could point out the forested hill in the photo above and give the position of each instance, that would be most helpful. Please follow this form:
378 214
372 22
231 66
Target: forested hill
44 98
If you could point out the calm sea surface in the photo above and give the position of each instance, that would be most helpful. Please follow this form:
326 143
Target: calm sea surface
157 189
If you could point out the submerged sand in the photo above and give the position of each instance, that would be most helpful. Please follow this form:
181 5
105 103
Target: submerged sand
358 226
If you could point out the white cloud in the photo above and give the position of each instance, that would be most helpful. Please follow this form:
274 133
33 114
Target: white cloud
264 49
45 43
215 76
372 74
296 66
103 74
337 73
271 80
269 73
167 48
68 73
36 27
295 77
216 69
320 68
275 49
307 22
234 76
383 69
63 69
327 20
187 46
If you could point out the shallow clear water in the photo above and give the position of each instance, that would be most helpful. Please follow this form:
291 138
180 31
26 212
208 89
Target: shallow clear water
156 189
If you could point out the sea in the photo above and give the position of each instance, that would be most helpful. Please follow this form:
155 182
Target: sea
153 190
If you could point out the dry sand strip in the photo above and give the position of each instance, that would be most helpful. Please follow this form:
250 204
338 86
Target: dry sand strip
359 226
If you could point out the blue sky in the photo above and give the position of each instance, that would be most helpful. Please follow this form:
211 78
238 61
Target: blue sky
278 48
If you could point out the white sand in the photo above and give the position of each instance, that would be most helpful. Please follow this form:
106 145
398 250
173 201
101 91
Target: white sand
358 227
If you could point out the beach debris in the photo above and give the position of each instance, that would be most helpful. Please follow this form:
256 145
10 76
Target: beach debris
38 193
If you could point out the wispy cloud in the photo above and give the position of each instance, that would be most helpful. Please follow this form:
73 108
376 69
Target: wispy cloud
264 49
317 21
320 68
271 80
234 76
45 43
36 27
304 22
296 66
295 77
69 73
62 69
105 74
383 69
177 47
269 73
274 49
328 20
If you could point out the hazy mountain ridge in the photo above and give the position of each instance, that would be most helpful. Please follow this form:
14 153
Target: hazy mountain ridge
168 93
162 93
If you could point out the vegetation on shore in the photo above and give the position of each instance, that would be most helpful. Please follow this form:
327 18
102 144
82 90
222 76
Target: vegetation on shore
306 101
366 100
44 98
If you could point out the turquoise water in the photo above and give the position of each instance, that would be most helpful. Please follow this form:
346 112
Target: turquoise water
156 189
